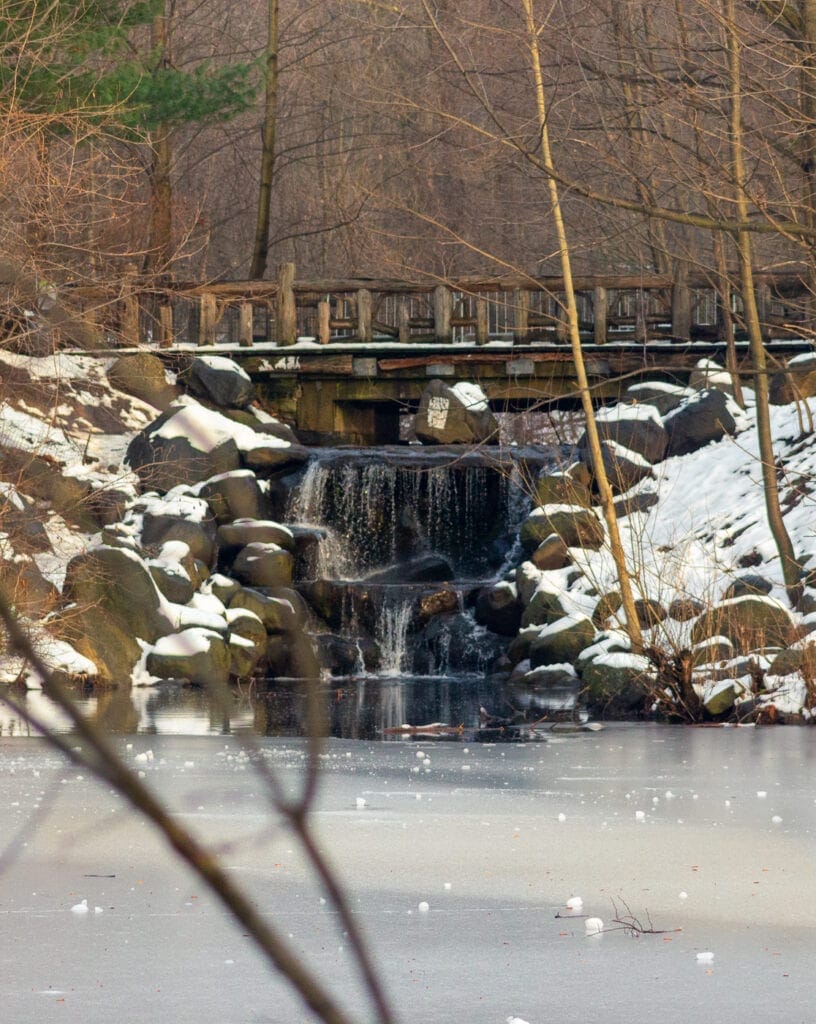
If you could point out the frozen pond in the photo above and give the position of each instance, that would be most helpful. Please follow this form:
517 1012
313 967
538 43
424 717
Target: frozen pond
494 838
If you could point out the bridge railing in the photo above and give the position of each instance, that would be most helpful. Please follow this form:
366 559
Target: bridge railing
682 307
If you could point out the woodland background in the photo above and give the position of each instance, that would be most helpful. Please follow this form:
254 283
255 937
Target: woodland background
401 138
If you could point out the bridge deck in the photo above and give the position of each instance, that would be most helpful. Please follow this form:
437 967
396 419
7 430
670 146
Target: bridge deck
355 393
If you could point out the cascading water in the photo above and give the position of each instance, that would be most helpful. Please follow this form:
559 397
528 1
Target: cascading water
409 536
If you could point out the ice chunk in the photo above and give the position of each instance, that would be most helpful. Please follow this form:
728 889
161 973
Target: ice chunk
593 926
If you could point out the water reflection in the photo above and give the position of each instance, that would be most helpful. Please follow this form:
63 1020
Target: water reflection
365 708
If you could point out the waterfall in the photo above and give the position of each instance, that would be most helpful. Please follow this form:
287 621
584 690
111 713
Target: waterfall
380 509
392 632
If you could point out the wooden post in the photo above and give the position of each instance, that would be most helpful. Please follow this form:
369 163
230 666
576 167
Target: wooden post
562 335
681 303
286 322
599 312
324 321
641 332
442 312
130 319
166 337
404 322
482 321
206 319
245 318
365 328
521 316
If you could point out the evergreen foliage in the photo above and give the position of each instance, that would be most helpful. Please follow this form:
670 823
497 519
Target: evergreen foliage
68 57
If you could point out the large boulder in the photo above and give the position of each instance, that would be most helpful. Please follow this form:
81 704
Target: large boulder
263 565
185 445
189 444
143 375
708 374
706 417
219 380
551 553
112 599
617 682
564 487
499 609
664 397
545 606
562 641
796 382
751 623
635 427
235 495
186 519
232 537
281 613
624 468
577 527
200 656
247 641
454 415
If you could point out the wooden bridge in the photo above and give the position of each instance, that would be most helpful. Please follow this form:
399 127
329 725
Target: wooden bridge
342 359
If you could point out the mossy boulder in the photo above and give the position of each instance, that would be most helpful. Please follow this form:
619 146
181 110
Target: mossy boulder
562 641
563 487
751 623
235 495
200 656
577 527
617 682
263 565
112 599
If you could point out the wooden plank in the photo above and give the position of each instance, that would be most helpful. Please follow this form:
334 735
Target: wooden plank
296 363
464 358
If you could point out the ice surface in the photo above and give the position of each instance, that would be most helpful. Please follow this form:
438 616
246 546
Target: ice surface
490 946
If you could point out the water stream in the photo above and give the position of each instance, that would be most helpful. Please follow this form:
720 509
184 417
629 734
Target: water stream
410 535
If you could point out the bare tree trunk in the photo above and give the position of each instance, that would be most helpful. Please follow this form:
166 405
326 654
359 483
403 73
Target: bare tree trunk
593 440
159 255
723 287
791 570
260 249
